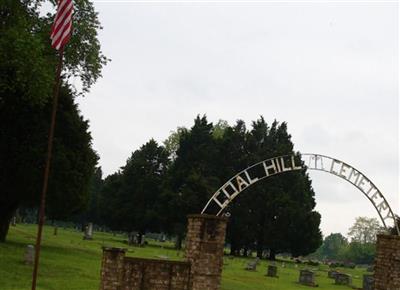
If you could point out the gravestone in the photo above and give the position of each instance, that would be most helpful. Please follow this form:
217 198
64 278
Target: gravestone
368 282
132 238
14 221
252 266
332 274
29 256
88 235
343 279
307 278
272 271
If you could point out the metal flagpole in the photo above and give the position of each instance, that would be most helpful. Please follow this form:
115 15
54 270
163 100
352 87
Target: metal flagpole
47 168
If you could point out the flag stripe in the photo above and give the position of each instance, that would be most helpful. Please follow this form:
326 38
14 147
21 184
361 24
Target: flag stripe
63 14
62 26
64 39
60 22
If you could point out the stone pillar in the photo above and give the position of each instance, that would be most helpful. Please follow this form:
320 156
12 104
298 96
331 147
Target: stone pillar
112 268
368 282
387 263
205 242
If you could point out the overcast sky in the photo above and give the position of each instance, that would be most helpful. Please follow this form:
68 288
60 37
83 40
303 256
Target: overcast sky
330 70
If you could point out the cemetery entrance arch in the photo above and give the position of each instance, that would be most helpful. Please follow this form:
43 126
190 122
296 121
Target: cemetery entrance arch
273 166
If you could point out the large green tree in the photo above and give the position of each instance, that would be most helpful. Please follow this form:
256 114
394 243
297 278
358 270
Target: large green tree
27 69
21 177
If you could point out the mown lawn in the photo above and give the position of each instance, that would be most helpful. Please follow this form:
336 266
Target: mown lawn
68 262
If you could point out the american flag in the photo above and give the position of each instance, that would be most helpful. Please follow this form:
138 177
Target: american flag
62 26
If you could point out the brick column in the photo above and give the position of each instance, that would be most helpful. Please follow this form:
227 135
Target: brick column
112 268
205 241
387 263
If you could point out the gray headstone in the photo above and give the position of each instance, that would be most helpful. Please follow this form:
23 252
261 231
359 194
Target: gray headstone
252 266
272 271
343 279
88 235
29 256
332 274
307 277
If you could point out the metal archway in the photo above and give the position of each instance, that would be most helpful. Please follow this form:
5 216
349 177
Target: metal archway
226 193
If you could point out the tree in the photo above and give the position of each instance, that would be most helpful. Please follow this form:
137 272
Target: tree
360 253
193 175
136 190
332 246
277 214
220 129
364 230
27 66
96 185
234 157
109 201
92 209
73 159
28 62
171 144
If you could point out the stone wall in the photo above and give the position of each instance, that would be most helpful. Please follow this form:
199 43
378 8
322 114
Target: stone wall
202 269
127 273
204 261
387 263
205 240
156 274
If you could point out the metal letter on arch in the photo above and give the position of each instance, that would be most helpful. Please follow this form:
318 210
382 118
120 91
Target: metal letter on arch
269 167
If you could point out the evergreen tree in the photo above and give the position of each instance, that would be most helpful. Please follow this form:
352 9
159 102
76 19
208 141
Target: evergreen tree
193 175
92 210
234 156
110 201
277 214
73 160
132 196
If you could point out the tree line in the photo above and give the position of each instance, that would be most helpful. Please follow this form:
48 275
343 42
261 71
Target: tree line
161 184
359 247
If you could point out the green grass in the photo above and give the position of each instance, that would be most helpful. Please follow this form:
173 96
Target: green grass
68 262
